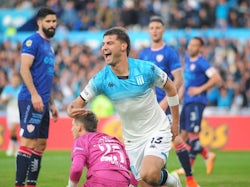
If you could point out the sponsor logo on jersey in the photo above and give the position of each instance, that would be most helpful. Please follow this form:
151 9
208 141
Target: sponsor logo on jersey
28 43
111 84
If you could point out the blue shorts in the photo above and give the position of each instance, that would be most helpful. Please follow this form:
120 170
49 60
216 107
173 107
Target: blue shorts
191 117
33 124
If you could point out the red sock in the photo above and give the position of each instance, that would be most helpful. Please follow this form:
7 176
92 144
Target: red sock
189 178
191 162
204 153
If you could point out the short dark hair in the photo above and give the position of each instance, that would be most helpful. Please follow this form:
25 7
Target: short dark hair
43 12
157 19
200 40
121 34
89 121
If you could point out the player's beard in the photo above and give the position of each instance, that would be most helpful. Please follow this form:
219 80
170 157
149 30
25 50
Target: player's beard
50 32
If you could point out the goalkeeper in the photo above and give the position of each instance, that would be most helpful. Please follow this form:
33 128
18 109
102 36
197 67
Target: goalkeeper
104 156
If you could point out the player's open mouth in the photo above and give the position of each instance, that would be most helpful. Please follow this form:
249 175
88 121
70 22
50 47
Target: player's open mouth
107 55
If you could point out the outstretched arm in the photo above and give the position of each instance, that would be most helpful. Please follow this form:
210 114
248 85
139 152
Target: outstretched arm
76 107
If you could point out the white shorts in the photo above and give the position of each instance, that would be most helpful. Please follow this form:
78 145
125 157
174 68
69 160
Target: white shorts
159 145
13 118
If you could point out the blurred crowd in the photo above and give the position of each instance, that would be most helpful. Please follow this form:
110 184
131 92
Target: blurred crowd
102 14
77 63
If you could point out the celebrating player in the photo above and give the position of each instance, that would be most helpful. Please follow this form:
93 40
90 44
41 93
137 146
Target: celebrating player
128 83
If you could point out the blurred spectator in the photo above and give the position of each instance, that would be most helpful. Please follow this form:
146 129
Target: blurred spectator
3 79
104 18
222 12
239 100
55 5
69 14
84 23
129 14
225 97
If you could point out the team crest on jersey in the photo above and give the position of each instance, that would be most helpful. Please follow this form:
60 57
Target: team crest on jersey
140 80
28 43
30 128
192 67
159 58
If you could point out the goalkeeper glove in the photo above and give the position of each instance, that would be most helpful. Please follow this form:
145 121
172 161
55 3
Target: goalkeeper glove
71 184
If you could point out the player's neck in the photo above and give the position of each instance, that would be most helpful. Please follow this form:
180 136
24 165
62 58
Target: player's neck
121 69
43 35
194 58
157 45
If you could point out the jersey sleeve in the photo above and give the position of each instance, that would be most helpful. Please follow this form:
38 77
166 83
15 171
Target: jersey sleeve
207 68
93 88
159 76
29 46
79 157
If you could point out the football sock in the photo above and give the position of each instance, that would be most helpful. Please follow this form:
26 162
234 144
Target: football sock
164 177
14 138
196 148
183 157
22 164
35 165
170 180
205 153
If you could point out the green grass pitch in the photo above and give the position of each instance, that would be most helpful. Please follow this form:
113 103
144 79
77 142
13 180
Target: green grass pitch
232 169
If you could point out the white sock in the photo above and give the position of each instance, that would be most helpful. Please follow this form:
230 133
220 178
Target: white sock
11 145
171 181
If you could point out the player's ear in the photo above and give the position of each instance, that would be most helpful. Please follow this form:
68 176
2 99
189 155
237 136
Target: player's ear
124 46
39 22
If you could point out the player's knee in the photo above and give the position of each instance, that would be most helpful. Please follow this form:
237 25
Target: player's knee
28 142
150 177
41 145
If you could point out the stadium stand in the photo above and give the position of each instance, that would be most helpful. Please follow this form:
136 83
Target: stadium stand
224 24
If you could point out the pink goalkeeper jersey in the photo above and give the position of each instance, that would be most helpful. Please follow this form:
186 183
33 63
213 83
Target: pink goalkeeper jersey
104 157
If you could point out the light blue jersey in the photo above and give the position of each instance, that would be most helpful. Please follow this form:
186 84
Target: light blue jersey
133 98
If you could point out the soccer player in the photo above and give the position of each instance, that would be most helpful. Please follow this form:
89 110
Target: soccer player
34 99
129 84
103 155
167 59
9 99
199 76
